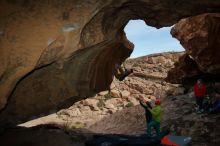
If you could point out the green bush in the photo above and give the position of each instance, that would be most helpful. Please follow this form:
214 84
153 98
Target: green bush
107 96
101 103
77 125
69 125
129 104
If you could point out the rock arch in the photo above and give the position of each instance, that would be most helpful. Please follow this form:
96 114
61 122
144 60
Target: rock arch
56 52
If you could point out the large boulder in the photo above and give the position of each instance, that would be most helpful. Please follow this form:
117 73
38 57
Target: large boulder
199 35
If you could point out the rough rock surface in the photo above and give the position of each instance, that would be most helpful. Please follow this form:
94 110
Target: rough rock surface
54 53
203 128
199 35
112 117
145 83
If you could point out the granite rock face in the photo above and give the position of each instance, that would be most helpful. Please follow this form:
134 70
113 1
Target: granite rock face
199 35
54 53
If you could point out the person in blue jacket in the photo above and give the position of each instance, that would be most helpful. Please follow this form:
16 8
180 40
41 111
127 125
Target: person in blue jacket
215 104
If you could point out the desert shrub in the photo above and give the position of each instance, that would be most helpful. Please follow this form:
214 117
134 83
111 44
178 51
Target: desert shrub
101 103
77 125
107 96
129 104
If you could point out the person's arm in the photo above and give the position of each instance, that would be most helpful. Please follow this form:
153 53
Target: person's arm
121 70
117 72
142 104
149 105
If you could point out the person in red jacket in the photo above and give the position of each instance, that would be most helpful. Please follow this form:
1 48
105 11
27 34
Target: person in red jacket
199 92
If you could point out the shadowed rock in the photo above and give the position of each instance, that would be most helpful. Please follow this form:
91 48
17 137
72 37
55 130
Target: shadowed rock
199 35
55 53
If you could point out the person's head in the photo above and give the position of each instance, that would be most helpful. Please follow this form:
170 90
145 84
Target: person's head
157 102
199 81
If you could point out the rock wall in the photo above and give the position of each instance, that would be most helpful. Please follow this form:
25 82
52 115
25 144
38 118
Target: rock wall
56 52
199 35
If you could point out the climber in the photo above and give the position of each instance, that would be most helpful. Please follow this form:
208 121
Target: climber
156 119
199 92
122 72
210 97
146 106
208 105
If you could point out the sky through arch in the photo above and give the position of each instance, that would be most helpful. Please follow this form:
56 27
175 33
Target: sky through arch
150 40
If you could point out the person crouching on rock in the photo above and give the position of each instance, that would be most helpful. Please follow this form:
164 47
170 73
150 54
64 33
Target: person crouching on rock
215 104
199 92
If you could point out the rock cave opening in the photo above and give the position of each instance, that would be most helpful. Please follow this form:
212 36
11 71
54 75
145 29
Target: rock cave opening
150 40
79 41
167 56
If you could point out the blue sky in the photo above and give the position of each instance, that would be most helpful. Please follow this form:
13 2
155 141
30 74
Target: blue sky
149 40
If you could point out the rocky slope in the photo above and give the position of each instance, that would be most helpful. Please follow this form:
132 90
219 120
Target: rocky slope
179 117
147 82
54 53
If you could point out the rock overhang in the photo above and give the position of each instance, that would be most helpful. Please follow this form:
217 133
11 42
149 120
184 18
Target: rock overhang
54 53
199 36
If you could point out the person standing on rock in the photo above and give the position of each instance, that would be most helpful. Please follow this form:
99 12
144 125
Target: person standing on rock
156 119
153 117
199 92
